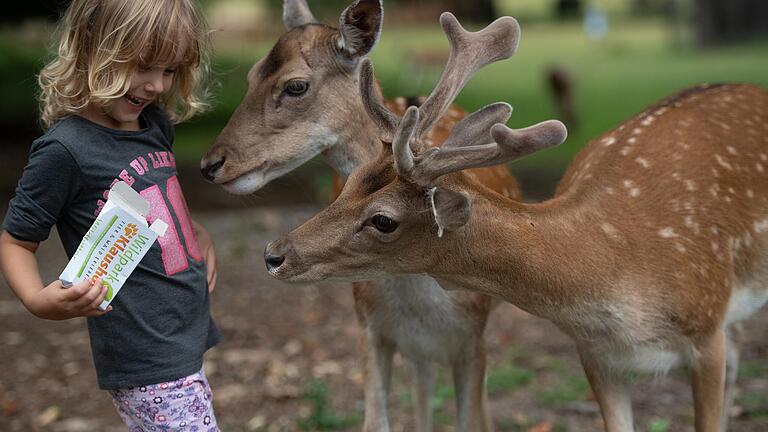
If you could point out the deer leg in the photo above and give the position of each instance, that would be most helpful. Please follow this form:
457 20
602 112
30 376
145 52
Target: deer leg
732 344
611 390
708 382
469 383
378 371
423 391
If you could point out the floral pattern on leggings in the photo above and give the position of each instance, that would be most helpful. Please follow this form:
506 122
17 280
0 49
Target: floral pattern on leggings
184 405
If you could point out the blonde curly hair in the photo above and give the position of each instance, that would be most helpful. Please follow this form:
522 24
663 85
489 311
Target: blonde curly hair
103 42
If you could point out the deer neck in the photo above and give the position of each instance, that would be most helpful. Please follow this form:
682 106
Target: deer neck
357 138
545 258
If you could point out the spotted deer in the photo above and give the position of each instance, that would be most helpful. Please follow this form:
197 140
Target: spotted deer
653 250
303 99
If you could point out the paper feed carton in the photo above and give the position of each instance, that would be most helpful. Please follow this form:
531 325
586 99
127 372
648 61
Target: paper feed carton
116 242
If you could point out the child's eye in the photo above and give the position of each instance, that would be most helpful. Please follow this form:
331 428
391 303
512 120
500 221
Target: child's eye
169 71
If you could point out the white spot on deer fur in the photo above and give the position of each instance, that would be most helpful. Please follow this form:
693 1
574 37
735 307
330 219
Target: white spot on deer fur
760 226
647 121
661 111
667 233
759 167
727 199
750 194
634 192
722 162
680 248
690 185
608 141
609 190
609 229
624 151
637 131
721 124
642 162
631 140
747 239
715 247
627 183
715 173
731 150
676 175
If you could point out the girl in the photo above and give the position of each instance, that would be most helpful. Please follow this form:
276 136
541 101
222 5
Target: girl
125 71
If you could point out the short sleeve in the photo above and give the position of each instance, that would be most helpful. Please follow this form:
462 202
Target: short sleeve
50 181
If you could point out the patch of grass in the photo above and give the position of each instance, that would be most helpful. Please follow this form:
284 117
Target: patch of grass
658 425
755 404
753 369
568 389
508 378
322 417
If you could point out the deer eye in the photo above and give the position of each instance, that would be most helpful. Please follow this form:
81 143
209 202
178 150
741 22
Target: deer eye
296 87
383 223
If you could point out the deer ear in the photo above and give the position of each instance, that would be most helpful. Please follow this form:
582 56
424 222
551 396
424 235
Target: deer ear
450 209
360 27
296 13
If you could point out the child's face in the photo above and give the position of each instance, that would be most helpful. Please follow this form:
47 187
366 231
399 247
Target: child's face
146 85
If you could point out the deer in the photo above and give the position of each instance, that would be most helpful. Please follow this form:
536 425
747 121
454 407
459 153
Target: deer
303 100
652 252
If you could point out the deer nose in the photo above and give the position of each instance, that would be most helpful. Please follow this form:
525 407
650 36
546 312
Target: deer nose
273 258
273 261
209 170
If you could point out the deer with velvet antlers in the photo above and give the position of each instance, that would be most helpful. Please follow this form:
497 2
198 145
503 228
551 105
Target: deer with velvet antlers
303 100
653 249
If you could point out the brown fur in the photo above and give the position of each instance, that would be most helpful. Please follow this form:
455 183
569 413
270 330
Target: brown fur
655 228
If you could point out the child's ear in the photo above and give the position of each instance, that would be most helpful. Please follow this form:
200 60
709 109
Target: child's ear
296 13
452 209
360 27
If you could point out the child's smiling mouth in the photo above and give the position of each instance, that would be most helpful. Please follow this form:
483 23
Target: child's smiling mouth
136 101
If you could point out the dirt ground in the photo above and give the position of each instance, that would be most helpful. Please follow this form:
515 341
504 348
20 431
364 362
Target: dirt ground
289 360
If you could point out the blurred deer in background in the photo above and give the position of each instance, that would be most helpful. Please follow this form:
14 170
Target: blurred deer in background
653 249
303 100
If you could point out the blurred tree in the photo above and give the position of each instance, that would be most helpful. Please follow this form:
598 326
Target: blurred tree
477 10
568 8
720 21
16 11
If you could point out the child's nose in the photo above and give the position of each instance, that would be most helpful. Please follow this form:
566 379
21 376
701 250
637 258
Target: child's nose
154 85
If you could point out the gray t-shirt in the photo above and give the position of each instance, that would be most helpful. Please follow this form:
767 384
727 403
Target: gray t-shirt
160 324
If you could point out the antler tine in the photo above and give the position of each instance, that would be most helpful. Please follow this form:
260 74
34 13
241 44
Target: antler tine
401 143
470 51
383 117
510 144
475 128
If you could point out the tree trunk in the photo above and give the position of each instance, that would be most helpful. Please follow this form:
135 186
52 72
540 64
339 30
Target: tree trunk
720 21
482 11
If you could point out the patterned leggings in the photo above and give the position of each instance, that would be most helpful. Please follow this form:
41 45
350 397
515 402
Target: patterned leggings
184 405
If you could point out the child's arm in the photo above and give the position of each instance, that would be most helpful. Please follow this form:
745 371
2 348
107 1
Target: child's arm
19 265
209 253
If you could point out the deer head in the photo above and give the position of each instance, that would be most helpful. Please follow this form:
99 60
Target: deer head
394 210
297 103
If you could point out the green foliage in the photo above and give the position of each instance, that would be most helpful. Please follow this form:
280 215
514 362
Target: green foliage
755 404
658 425
508 378
570 388
322 417
753 369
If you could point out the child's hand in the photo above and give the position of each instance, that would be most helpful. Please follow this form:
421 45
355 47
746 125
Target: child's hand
209 253
55 302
